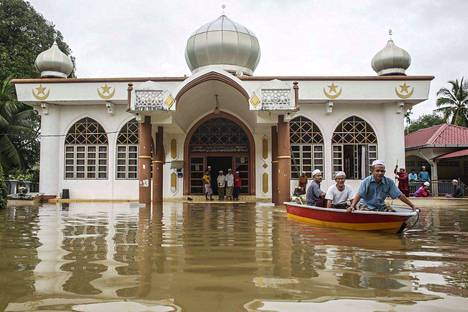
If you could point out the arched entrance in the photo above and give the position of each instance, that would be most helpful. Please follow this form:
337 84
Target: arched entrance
221 141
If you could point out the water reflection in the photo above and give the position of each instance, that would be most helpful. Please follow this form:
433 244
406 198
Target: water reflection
214 257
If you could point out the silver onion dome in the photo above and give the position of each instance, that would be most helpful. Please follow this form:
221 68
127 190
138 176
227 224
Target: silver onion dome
54 63
391 60
223 43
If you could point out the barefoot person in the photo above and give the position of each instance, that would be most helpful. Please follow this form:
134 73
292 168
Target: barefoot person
375 188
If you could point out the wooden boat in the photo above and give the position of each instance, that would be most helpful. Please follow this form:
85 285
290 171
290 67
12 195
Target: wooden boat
359 220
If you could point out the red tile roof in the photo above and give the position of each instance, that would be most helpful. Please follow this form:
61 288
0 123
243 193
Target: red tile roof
453 154
444 135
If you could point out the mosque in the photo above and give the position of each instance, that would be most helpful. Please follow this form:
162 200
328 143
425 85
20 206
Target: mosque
151 138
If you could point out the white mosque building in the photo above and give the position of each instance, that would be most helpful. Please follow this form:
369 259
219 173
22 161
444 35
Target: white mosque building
151 138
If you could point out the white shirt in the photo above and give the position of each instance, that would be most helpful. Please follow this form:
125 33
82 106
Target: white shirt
337 196
221 180
229 180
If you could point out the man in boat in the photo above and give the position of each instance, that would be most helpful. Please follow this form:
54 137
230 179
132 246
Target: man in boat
375 188
302 183
315 196
339 194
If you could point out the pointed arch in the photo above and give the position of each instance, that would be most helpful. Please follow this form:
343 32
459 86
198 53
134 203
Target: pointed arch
354 147
86 150
127 151
307 150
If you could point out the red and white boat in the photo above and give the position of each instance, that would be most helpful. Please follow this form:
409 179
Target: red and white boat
359 220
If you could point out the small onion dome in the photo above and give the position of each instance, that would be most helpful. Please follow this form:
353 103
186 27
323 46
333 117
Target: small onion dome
223 43
54 63
391 60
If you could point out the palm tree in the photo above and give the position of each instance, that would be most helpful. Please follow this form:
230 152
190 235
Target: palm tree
453 104
18 129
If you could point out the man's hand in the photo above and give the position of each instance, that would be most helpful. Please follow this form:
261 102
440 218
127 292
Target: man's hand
350 209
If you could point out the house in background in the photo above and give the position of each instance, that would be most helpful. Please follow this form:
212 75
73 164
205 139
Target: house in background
443 149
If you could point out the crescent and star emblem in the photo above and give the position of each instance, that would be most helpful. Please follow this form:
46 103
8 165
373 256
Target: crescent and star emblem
106 93
40 93
333 91
405 91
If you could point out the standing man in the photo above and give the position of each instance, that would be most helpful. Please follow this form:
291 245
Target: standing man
229 184
315 196
424 175
339 194
237 185
221 182
403 183
206 179
375 188
413 176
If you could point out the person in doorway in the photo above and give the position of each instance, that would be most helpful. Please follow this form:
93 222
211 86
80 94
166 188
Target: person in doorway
206 179
424 175
457 190
339 193
413 176
237 185
302 185
375 188
315 196
221 183
229 184
423 190
402 177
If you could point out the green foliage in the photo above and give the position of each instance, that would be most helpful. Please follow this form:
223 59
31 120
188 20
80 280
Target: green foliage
24 34
425 121
19 129
453 103
3 189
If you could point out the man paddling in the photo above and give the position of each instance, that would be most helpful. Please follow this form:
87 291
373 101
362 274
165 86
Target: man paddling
375 188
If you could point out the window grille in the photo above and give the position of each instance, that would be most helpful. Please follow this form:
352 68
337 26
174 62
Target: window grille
354 147
127 151
86 151
307 151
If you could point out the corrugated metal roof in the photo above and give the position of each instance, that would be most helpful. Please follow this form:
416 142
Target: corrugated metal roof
439 135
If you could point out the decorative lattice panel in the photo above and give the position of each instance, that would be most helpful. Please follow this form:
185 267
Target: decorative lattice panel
354 130
148 100
303 131
86 131
276 99
219 135
129 133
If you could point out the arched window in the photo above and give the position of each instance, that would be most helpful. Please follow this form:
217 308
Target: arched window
86 150
354 146
306 147
127 151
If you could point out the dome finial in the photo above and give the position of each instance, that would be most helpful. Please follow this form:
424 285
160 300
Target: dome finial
390 33
223 7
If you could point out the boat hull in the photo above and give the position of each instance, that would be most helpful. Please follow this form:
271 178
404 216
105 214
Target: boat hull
359 221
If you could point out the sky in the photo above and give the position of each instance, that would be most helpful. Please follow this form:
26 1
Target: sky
143 38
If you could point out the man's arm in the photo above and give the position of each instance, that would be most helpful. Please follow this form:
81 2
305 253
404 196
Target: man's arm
405 199
356 199
329 203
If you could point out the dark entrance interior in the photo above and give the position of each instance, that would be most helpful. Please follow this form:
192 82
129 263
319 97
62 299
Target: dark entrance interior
218 163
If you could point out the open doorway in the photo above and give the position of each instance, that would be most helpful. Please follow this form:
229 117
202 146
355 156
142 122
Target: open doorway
218 163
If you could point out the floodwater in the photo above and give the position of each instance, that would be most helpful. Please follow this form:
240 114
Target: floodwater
226 257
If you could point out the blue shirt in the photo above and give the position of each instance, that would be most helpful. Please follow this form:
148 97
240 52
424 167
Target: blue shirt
424 176
413 177
313 193
373 194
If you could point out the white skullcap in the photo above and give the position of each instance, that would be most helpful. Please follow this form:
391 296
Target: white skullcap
378 162
316 171
340 174
455 181
427 183
220 171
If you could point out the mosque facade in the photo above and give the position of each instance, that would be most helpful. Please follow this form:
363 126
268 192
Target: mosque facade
151 138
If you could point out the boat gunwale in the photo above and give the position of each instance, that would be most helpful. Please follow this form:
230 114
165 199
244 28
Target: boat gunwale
384 213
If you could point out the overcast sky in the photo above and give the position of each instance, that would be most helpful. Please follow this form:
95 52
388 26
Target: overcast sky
128 38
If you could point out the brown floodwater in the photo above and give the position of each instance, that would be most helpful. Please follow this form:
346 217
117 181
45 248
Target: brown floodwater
226 257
